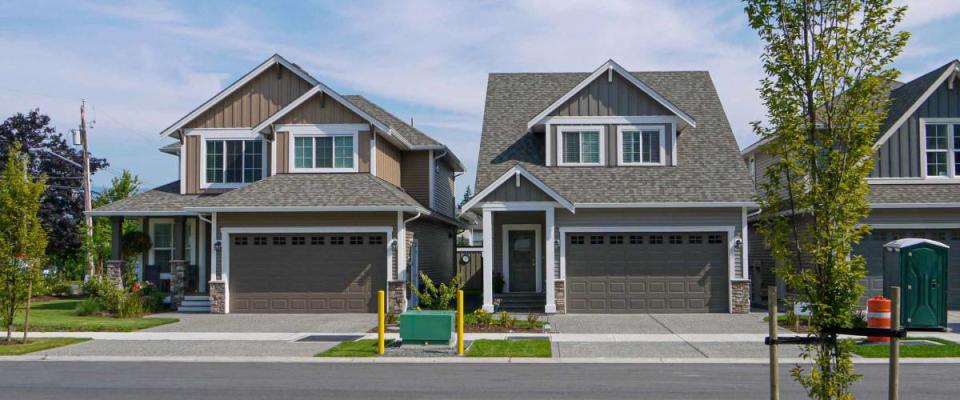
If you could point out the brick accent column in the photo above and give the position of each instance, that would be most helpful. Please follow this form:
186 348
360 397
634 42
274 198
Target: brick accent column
740 296
559 290
218 304
115 270
396 297
178 282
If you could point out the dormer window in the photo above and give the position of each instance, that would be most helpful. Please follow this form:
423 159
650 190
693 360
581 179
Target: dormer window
641 145
941 149
323 147
580 145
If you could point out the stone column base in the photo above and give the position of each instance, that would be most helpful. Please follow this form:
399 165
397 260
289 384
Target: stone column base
218 297
396 297
115 270
740 297
178 270
560 296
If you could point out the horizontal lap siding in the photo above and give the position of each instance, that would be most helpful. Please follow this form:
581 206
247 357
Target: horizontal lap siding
443 189
899 156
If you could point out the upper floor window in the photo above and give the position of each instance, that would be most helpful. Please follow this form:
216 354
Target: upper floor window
580 145
335 153
941 153
230 162
641 145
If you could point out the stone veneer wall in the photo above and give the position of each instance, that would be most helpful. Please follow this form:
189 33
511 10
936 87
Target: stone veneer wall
115 270
396 297
560 296
178 282
740 296
218 303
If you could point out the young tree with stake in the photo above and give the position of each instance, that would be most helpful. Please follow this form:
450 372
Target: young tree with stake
826 92
23 240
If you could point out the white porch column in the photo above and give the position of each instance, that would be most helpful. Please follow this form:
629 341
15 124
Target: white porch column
745 247
549 268
487 260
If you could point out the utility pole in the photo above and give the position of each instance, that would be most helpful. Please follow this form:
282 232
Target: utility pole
87 194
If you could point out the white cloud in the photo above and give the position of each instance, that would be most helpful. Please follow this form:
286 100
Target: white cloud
923 12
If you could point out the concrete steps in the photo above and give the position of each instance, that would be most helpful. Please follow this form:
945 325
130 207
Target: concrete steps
522 302
195 304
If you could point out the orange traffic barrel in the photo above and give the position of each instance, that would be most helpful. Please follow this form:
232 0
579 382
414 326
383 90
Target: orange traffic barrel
878 316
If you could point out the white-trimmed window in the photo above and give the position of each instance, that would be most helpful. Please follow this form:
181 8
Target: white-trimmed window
323 148
940 141
232 162
580 145
161 237
641 145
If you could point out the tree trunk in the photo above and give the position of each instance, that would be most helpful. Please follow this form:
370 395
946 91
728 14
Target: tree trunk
26 312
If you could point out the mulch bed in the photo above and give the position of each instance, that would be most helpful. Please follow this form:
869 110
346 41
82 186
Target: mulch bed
500 329
793 327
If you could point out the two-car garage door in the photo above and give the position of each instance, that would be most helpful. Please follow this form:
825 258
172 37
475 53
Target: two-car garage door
628 272
306 273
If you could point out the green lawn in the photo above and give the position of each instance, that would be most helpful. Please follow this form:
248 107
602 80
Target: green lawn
37 345
58 315
949 349
509 348
359 348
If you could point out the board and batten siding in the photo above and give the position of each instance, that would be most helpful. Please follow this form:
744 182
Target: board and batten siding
320 109
899 156
416 175
192 164
605 98
388 162
612 150
509 191
255 101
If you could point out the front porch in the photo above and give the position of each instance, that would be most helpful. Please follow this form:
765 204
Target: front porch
519 257
178 261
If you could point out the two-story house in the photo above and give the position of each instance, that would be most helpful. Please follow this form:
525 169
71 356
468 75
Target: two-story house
611 192
915 182
294 198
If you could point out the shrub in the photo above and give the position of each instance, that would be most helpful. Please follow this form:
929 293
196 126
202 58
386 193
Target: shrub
130 306
482 317
532 318
88 307
506 320
437 297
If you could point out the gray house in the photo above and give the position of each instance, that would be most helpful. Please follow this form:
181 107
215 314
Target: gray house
611 192
293 198
915 183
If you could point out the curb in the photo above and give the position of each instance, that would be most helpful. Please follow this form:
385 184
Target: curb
451 360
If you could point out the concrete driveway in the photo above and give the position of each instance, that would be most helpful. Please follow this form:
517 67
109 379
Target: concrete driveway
659 323
313 323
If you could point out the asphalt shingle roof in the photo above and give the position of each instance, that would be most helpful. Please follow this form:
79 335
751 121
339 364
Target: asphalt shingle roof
411 134
166 198
313 190
914 193
902 97
709 167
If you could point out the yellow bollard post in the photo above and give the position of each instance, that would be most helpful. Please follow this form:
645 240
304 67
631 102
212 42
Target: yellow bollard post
380 321
460 322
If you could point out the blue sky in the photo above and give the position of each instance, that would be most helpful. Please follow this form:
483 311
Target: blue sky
143 65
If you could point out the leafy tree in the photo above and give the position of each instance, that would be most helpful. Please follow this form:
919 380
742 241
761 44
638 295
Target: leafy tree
121 187
827 66
467 195
62 209
434 297
22 238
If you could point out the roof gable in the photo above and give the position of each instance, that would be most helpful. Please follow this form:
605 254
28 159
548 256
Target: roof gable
521 177
908 98
609 68
252 92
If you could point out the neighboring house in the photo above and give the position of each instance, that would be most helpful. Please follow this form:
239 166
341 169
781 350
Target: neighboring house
611 192
294 198
472 235
915 183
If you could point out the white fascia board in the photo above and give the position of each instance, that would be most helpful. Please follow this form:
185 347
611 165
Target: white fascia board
753 147
610 64
678 204
915 205
517 169
914 181
913 107
309 229
309 209
610 120
275 59
318 89
139 213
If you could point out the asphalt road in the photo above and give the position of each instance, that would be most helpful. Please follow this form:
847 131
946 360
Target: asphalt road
158 380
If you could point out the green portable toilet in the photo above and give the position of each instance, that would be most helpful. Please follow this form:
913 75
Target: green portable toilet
919 267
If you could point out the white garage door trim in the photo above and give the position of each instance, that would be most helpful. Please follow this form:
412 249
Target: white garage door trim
226 232
728 229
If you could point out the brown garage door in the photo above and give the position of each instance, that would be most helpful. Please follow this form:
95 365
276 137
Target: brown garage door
646 272
306 273
871 247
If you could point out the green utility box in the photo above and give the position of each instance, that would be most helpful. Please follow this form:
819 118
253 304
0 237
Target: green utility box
427 327
919 267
